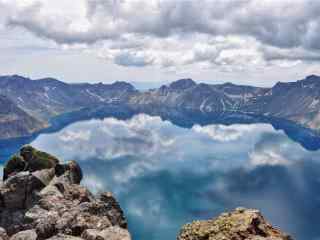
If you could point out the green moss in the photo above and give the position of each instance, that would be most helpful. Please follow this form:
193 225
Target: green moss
46 158
14 164
36 159
30 159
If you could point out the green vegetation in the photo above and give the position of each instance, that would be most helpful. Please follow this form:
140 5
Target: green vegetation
14 165
30 159
36 159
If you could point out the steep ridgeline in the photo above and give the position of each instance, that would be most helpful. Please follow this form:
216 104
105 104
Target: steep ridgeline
187 95
44 99
42 198
14 122
297 101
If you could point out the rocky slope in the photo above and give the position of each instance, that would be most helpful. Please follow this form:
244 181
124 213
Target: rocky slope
14 122
42 199
44 99
241 224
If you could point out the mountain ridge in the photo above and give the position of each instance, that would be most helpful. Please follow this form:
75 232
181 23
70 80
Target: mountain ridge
47 98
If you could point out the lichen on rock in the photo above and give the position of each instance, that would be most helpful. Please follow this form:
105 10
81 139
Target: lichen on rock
241 224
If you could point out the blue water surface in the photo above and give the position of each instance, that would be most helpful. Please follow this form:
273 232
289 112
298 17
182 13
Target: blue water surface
165 176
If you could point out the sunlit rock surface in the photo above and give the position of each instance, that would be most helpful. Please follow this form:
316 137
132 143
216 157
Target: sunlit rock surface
241 224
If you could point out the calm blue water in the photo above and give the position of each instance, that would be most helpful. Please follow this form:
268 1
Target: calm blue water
165 176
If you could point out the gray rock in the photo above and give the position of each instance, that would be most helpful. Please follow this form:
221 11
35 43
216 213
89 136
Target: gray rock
50 203
91 234
25 235
246 224
45 176
3 234
64 237
115 233
111 233
18 191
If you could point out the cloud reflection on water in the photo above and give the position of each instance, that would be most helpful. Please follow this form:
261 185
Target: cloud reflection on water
165 175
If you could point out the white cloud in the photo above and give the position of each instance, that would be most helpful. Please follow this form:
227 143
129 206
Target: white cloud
70 136
268 157
111 139
224 133
230 36
93 183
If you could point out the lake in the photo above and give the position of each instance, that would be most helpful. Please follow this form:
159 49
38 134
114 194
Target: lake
165 175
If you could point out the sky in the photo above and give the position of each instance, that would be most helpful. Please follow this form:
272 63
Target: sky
158 41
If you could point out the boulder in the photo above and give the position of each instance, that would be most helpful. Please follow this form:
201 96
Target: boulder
37 160
71 172
25 235
14 165
3 234
19 191
115 233
64 237
244 224
111 233
91 234
29 159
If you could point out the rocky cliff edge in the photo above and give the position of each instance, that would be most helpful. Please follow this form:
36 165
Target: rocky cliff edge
48 202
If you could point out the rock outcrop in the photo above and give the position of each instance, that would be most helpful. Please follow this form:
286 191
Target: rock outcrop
44 200
241 224
31 160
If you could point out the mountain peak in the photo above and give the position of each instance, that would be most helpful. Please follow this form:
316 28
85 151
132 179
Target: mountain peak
123 85
15 77
312 76
228 84
18 76
183 84
310 80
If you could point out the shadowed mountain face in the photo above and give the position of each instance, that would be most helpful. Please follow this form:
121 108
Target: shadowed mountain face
15 122
45 99
48 97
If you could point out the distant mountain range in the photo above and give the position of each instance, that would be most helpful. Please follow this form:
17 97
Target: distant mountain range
27 106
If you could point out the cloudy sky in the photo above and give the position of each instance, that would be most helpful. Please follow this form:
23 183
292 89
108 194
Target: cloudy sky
255 42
